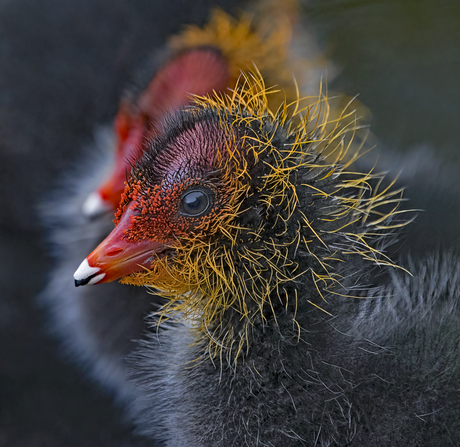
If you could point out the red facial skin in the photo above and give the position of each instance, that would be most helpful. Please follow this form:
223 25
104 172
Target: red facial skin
198 72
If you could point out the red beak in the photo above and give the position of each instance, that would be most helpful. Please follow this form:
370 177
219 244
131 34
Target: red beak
117 257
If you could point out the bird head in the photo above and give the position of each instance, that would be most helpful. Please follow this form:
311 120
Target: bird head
199 61
235 210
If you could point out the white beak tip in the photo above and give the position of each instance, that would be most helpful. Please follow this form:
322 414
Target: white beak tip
87 275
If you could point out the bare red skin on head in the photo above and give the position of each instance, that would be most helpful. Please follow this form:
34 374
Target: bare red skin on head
196 72
189 161
155 213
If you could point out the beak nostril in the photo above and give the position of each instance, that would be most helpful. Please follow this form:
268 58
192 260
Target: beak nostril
114 252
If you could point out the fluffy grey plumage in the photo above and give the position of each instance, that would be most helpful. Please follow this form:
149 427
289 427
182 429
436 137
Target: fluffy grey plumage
383 372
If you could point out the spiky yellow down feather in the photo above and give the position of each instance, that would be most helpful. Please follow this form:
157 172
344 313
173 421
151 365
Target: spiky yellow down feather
202 281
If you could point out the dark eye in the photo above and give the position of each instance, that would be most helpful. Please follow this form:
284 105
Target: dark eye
194 203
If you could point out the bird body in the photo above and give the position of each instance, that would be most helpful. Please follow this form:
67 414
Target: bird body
284 323
376 373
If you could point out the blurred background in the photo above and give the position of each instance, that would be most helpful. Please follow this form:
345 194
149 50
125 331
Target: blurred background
63 66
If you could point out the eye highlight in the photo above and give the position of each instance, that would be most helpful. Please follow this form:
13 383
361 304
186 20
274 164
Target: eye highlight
195 202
